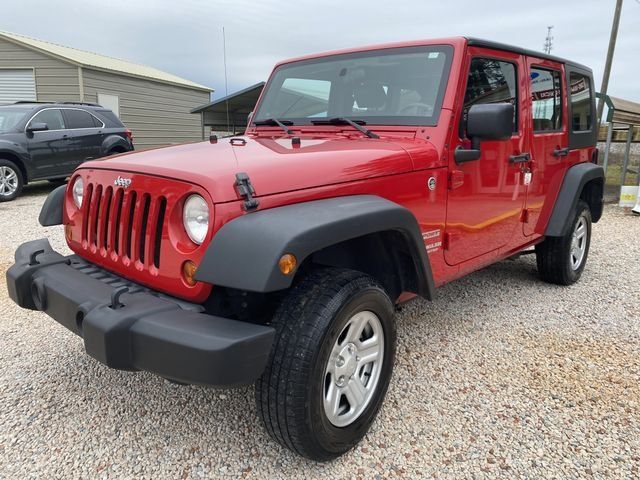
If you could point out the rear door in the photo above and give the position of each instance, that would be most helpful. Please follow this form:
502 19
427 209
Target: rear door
485 205
87 134
549 140
50 149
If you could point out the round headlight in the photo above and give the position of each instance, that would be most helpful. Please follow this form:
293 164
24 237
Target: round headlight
78 191
196 218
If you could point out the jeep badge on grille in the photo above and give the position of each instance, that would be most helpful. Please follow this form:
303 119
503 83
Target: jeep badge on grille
122 182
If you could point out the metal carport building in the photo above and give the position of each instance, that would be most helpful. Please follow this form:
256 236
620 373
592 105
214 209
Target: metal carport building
228 115
155 105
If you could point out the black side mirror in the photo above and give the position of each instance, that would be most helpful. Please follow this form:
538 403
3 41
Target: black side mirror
37 127
491 121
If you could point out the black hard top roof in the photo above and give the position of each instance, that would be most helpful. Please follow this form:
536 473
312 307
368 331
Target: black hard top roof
479 42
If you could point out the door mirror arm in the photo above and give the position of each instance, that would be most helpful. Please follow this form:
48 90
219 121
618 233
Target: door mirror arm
464 155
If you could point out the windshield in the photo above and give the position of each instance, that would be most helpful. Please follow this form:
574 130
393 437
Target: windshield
10 117
399 86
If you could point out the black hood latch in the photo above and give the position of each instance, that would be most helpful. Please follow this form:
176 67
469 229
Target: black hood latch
245 190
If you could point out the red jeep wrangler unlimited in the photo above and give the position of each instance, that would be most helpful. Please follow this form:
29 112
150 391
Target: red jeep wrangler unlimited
366 177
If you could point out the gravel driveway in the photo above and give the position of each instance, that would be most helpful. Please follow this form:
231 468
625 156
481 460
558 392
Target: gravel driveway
501 376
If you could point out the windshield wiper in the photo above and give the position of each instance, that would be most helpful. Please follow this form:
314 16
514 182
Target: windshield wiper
274 121
357 124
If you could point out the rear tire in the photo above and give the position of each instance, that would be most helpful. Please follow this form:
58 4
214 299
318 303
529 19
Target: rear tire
11 181
561 260
330 365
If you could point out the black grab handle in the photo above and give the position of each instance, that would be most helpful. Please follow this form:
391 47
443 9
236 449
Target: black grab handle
561 152
523 157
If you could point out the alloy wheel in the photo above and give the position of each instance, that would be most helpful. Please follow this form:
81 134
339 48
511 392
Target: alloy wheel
353 369
8 181
578 243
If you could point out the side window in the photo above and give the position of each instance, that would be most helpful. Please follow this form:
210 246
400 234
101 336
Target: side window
79 119
97 122
109 118
580 89
491 81
546 100
52 117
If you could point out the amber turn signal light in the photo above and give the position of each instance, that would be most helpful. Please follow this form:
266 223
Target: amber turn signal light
189 272
287 263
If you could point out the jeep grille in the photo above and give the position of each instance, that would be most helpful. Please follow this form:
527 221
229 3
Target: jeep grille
124 223
136 231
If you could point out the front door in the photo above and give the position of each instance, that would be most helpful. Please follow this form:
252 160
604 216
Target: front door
486 196
49 149
87 135
549 140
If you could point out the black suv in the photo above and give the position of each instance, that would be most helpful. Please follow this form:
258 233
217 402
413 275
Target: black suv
47 141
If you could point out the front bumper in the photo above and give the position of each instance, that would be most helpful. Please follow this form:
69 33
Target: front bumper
129 327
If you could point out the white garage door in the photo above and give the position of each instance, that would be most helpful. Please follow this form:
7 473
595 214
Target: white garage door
17 84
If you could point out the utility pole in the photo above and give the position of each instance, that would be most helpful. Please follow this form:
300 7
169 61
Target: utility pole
607 65
548 42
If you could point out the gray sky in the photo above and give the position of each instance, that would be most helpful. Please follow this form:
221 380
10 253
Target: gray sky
184 37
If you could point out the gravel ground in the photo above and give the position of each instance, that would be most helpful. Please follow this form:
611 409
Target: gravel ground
501 376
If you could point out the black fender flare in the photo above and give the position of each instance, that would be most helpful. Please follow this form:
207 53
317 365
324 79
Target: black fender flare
244 253
51 212
574 181
114 141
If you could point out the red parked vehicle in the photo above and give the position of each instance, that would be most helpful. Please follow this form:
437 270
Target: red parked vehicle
366 177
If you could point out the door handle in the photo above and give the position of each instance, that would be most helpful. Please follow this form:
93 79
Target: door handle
561 152
522 158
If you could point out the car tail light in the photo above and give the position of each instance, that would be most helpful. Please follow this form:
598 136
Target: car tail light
129 134
594 156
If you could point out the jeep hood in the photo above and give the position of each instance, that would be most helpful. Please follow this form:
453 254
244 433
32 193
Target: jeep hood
274 165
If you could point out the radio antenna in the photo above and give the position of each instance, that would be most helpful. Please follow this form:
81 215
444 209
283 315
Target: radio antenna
226 85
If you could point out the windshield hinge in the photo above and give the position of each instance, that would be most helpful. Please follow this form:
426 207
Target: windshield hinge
245 190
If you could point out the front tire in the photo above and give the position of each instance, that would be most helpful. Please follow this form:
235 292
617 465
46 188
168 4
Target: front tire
561 260
330 364
11 181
